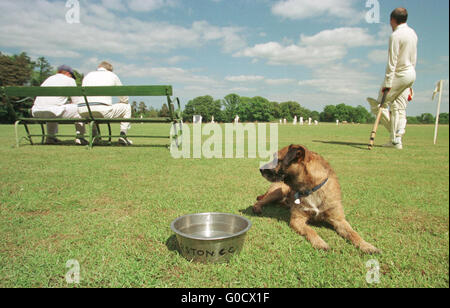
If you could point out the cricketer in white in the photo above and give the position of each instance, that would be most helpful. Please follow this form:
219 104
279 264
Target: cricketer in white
400 77
58 107
103 107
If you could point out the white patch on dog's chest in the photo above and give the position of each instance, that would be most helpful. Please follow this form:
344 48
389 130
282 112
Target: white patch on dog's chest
310 204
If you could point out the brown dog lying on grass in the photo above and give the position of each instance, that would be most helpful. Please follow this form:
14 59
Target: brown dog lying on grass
304 182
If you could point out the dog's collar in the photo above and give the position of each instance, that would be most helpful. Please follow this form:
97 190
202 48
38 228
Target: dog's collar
304 194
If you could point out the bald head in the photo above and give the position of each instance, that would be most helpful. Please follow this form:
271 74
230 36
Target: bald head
399 15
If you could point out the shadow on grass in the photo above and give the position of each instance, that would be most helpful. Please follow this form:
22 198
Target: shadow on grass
361 146
102 144
282 214
172 244
270 211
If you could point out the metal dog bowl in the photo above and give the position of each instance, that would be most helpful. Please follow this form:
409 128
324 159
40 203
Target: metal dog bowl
210 237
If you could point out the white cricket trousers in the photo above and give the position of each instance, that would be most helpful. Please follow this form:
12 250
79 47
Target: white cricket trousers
116 111
69 111
397 100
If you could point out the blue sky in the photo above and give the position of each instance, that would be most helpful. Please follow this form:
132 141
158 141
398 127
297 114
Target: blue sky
313 52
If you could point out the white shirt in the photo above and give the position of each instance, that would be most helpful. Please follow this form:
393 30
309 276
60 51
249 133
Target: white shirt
103 78
58 80
402 53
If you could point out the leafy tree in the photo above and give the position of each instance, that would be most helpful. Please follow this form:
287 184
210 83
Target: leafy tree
413 120
218 112
205 106
275 110
152 112
15 70
260 110
329 114
347 113
230 104
315 116
134 108
291 109
244 110
344 112
142 108
362 115
426 118
443 118
42 71
164 112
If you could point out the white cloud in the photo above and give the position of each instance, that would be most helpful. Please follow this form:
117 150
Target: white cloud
303 9
242 89
164 74
277 54
101 31
346 36
244 78
281 81
114 5
341 81
257 78
230 37
378 56
149 5
176 59
327 46
149 70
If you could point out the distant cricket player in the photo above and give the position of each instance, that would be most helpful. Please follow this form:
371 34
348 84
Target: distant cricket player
400 77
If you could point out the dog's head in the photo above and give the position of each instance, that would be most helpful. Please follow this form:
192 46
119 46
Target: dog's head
289 163
297 167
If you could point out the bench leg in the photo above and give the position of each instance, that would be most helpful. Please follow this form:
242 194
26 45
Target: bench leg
110 133
28 133
91 134
16 129
43 134
178 131
98 130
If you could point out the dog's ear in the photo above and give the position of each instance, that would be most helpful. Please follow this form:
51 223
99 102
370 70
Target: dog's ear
295 153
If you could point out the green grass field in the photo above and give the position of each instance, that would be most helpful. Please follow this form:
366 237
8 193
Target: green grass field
111 208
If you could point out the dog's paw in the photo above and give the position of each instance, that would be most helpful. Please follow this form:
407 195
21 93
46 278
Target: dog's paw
320 244
369 248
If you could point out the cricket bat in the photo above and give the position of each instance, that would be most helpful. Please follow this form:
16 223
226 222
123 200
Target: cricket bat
373 134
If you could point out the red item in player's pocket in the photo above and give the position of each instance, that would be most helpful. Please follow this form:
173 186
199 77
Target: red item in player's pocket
411 95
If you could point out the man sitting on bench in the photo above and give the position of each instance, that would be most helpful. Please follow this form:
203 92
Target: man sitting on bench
59 107
102 107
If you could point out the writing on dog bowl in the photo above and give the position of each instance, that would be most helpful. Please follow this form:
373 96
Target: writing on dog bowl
210 237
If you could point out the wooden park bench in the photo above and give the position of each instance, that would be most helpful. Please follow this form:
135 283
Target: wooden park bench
175 118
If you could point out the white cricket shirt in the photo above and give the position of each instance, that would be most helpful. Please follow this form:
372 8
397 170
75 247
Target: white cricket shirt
402 53
58 80
103 78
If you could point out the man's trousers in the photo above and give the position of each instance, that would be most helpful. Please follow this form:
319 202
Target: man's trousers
397 100
116 111
69 111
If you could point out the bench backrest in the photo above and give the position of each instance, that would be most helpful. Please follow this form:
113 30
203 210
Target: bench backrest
88 91
6 92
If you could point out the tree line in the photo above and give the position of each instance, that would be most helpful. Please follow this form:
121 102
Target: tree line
428 118
21 70
260 109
